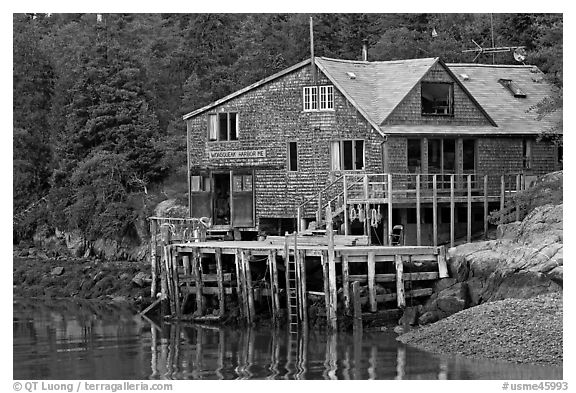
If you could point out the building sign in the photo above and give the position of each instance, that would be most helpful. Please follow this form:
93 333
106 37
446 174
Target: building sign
237 154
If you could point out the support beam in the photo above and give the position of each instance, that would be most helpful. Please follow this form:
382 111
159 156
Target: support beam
518 188
239 289
442 266
274 284
418 218
469 211
345 284
452 211
435 210
218 256
357 305
486 207
249 291
371 274
401 299
197 268
325 277
304 299
345 197
153 268
390 209
502 192
331 271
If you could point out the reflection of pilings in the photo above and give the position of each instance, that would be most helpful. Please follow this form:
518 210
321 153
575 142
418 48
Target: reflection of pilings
153 352
372 362
443 373
400 363
330 363
302 358
221 353
274 356
357 340
198 364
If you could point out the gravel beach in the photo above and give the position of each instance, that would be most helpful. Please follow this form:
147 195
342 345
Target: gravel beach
517 330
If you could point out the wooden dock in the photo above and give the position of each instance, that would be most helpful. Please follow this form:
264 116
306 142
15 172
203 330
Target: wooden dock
199 278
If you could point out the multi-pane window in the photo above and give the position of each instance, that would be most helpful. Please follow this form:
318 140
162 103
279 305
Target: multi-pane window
527 153
199 183
414 155
347 155
223 126
437 98
318 97
292 156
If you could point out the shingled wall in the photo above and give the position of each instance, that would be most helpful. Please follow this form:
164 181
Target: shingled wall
409 111
272 115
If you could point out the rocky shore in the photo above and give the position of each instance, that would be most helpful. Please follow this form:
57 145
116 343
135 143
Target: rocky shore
517 330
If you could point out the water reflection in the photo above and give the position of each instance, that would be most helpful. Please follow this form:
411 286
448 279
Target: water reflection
75 340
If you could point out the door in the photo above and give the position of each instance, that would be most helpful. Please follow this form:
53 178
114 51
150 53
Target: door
442 160
222 208
200 196
243 199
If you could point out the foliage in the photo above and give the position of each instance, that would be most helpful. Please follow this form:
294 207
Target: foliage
98 104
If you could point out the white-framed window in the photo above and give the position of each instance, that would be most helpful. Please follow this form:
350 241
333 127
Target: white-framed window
318 98
347 155
223 126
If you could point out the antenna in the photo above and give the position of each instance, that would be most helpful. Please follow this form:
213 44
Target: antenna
499 49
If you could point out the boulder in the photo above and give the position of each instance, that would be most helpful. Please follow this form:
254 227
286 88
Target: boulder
75 243
410 315
57 271
141 279
429 317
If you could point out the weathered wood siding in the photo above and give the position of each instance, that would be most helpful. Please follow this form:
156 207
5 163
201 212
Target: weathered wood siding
409 111
272 115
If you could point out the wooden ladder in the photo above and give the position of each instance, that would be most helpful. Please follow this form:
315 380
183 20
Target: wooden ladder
292 278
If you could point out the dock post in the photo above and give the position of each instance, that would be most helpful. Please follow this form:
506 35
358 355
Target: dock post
239 289
371 277
186 266
319 211
197 267
418 218
248 281
469 211
168 269
345 197
452 210
356 305
219 277
299 219
518 188
442 267
153 268
345 284
502 192
176 284
331 270
325 277
304 300
274 284
164 296
435 210
400 295
485 206
390 209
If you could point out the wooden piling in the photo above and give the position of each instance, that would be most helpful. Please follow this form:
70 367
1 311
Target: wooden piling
345 198
502 192
346 283
176 284
469 211
325 276
250 293
356 305
452 211
434 210
239 289
371 275
442 267
400 281
331 270
218 257
153 267
390 209
299 227
168 270
518 188
418 218
485 206
197 268
165 304
304 299
274 284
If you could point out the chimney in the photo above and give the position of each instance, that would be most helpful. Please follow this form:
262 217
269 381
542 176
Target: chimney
364 49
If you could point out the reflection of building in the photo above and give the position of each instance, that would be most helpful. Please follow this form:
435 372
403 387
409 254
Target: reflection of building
256 154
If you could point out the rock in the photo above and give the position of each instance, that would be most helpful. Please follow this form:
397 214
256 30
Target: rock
508 231
410 316
140 279
119 299
57 271
75 243
443 283
557 275
170 208
124 276
429 317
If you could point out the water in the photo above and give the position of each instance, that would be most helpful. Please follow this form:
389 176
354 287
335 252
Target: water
63 339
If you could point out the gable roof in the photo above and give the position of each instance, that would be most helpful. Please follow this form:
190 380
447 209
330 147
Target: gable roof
512 114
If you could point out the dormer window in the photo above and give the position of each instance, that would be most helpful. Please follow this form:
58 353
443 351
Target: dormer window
512 88
318 98
437 98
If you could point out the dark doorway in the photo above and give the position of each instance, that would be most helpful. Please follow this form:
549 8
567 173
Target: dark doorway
222 198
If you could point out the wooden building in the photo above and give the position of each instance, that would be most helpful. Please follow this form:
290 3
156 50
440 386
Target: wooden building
425 143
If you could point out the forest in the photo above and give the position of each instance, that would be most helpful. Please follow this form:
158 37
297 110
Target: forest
98 99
